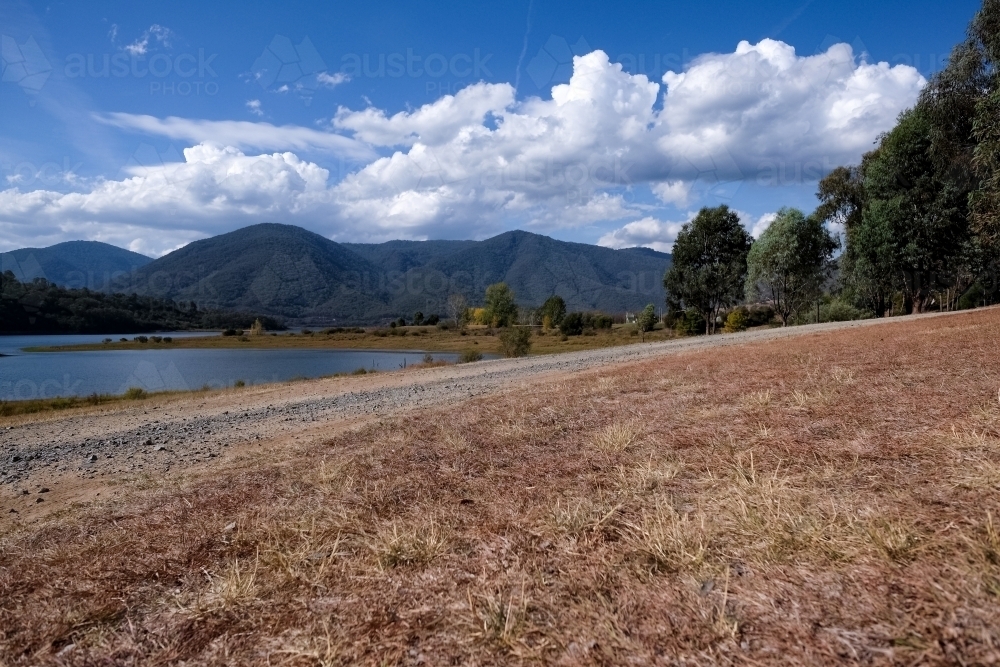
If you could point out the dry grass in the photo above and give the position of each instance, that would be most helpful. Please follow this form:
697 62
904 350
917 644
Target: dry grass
830 499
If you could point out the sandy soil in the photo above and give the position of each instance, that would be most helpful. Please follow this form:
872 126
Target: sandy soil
53 460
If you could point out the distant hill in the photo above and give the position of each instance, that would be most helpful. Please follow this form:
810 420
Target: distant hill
276 269
304 278
406 255
74 264
588 277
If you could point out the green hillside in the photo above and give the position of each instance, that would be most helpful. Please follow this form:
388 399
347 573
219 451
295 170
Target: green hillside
304 278
75 264
280 270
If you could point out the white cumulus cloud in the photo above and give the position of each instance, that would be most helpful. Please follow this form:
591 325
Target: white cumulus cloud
481 161
647 233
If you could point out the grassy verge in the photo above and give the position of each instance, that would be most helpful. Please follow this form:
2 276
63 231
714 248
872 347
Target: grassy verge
32 406
401 338
831 499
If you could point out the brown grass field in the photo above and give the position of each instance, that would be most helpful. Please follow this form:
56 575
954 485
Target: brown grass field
831 498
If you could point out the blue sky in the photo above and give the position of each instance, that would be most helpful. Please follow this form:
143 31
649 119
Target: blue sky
149 125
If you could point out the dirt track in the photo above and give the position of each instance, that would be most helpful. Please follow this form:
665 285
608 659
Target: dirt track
74 454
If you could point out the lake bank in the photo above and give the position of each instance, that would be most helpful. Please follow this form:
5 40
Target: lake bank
429 339
26 375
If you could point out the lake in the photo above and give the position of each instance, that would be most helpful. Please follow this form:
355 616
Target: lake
27 375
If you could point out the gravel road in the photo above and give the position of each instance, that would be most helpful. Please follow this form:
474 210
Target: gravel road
170 433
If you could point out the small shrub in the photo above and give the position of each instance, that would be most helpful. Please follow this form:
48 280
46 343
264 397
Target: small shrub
107 340
359 371
689 323
156 339
428 358
515 341
736 321
443 326
468 356
307 332
759 314
168 339
239 383
432 320
123 340
572 324
972 297
597 321
392 325
141 339
232 332
135 394
841 311
564 338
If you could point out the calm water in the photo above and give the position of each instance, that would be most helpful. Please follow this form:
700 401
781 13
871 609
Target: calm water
25 375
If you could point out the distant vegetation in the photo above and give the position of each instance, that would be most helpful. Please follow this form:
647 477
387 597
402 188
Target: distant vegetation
920 217
41 307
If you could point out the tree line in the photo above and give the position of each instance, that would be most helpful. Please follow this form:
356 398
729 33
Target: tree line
42 307
919 217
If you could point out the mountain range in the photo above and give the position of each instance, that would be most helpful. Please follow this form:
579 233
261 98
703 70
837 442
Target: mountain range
304 278
73 264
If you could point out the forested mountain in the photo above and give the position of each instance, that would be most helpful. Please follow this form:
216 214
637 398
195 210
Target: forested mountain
288 272
587 277
277 269
301 277
76 264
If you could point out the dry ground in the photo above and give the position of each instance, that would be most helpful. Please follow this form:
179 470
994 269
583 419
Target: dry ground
820 499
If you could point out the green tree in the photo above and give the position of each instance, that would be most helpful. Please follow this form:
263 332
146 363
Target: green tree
709 264
866 271
790 261
501 309
915 213
646 320
554 309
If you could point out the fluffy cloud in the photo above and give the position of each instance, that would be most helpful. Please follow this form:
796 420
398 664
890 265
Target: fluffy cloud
433 124
176 201
761 113
481 161
766 108
647 233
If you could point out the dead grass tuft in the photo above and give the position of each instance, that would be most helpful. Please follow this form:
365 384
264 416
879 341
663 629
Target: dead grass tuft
668 541
617 437
398 546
